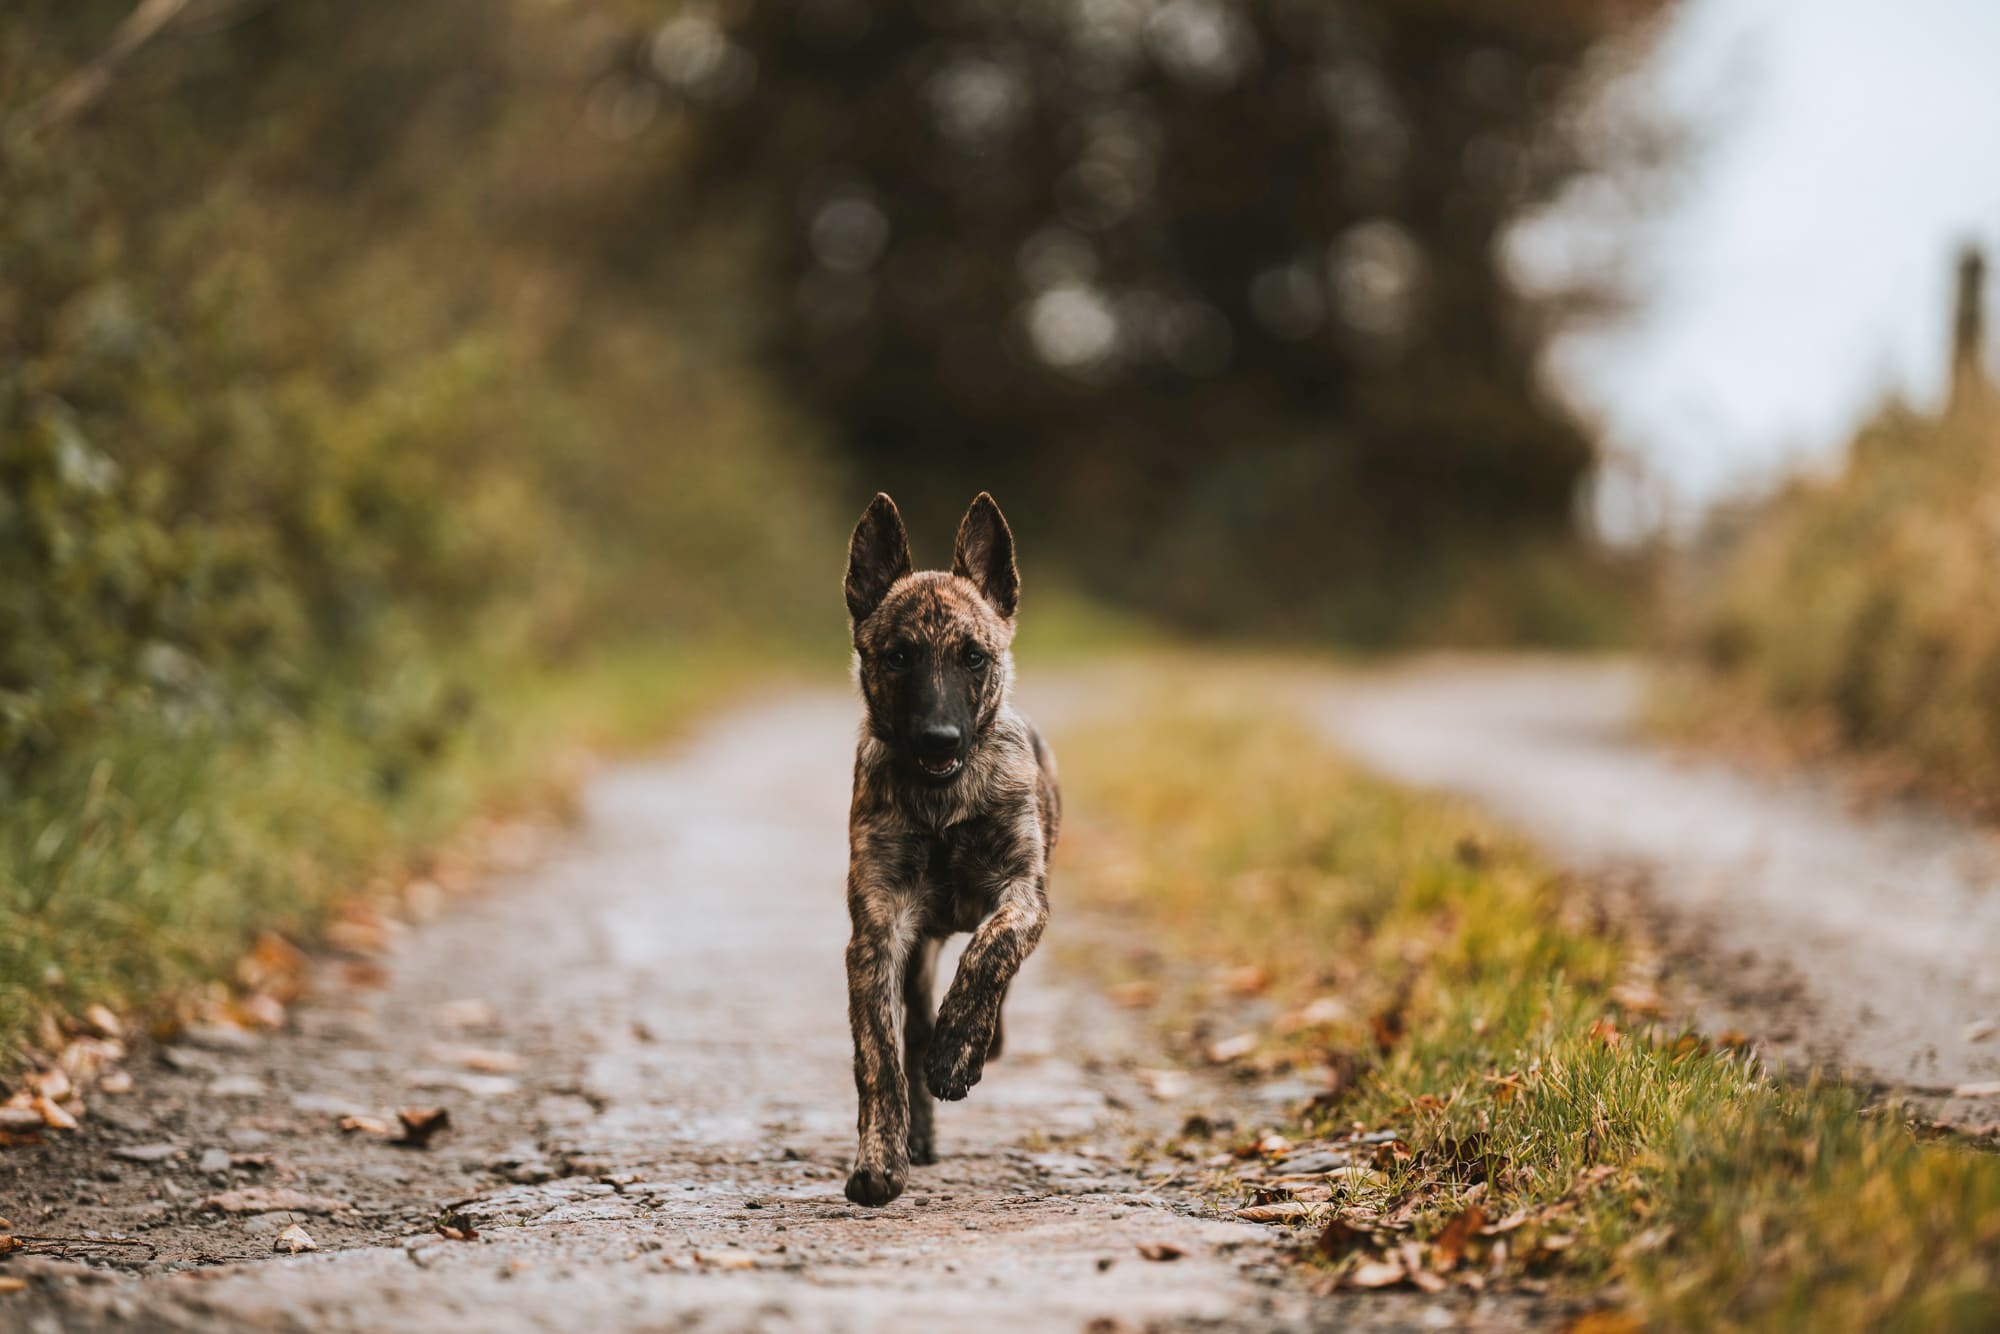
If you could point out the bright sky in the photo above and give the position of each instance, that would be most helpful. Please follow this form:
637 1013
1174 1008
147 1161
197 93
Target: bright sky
1804 267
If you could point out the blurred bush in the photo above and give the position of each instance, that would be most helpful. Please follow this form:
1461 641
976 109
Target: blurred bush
301 380
1862 607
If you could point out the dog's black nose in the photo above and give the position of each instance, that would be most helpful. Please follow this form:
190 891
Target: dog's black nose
939 738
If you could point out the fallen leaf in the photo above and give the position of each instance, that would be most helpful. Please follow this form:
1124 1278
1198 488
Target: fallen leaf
1134 995
421 1124
1231 1049
1636 998
1732 1038
103 1020
8 1243
20 1118
9 1283
1249 980
1448 1247
275 967
488 1060
467 1013
455 1226
1604 1322
259 1010
1339 1239
54 1117
366 1125
273 1199
115 1081
1605 1030
293 1240
1376 1274
53 1083
1160 1250
1285 1211
1165 1085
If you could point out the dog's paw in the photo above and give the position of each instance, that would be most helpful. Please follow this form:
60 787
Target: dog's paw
923 1149
957 1059
874 1185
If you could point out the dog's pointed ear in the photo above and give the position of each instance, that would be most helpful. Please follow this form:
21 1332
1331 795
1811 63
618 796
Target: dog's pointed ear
985 555
877 556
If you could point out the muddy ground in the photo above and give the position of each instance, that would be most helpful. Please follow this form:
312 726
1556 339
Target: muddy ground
641 1042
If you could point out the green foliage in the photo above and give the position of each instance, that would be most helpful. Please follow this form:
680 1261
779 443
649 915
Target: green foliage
309 463
1862 608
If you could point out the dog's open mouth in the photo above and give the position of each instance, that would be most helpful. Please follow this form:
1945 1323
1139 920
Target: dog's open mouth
943 768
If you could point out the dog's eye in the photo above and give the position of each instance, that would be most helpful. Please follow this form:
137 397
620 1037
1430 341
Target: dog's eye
897 659
975 659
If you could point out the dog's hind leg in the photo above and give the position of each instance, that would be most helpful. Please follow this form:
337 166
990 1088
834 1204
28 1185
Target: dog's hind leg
918 1018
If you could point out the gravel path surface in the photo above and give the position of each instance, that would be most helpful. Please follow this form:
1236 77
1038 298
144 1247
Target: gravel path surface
1865 939
653 1122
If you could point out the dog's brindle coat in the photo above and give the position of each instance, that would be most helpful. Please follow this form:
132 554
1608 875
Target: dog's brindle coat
955 812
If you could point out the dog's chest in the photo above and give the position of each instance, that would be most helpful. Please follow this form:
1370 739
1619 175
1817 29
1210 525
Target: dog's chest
956 898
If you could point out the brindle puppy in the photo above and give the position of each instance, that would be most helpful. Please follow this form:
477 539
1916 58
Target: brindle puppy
955 813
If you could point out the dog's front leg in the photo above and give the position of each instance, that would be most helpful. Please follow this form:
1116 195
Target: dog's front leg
970 1015
883 935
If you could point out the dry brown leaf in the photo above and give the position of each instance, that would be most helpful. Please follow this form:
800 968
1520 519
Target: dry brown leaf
293 1240
273 1199
1249 980
1604 1322
1160 1250
115 1081
366 1125
9 1284
1231 1049
1450 1244
488 1060
1339 1239
1636 998
468 1013
103 1020
1377 1274
54 1117
260 1010
275 967
422 1124
53 1083
453 1225
23 1117
8 1243
1165 1085
1284 1211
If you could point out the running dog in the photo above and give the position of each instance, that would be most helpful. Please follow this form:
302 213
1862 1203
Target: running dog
954 816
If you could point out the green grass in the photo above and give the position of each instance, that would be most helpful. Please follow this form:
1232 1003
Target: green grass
1676 1178
142 867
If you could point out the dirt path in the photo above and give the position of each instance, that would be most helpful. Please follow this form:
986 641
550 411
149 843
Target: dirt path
670 1151
1865 939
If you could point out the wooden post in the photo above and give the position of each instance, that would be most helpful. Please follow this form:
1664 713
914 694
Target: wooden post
1968 331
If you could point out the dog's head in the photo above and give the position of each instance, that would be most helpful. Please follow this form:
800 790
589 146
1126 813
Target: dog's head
931 647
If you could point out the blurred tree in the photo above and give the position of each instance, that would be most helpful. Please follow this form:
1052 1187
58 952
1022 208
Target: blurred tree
1209 290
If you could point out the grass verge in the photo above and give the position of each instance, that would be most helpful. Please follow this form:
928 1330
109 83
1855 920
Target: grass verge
1444 983
143 869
